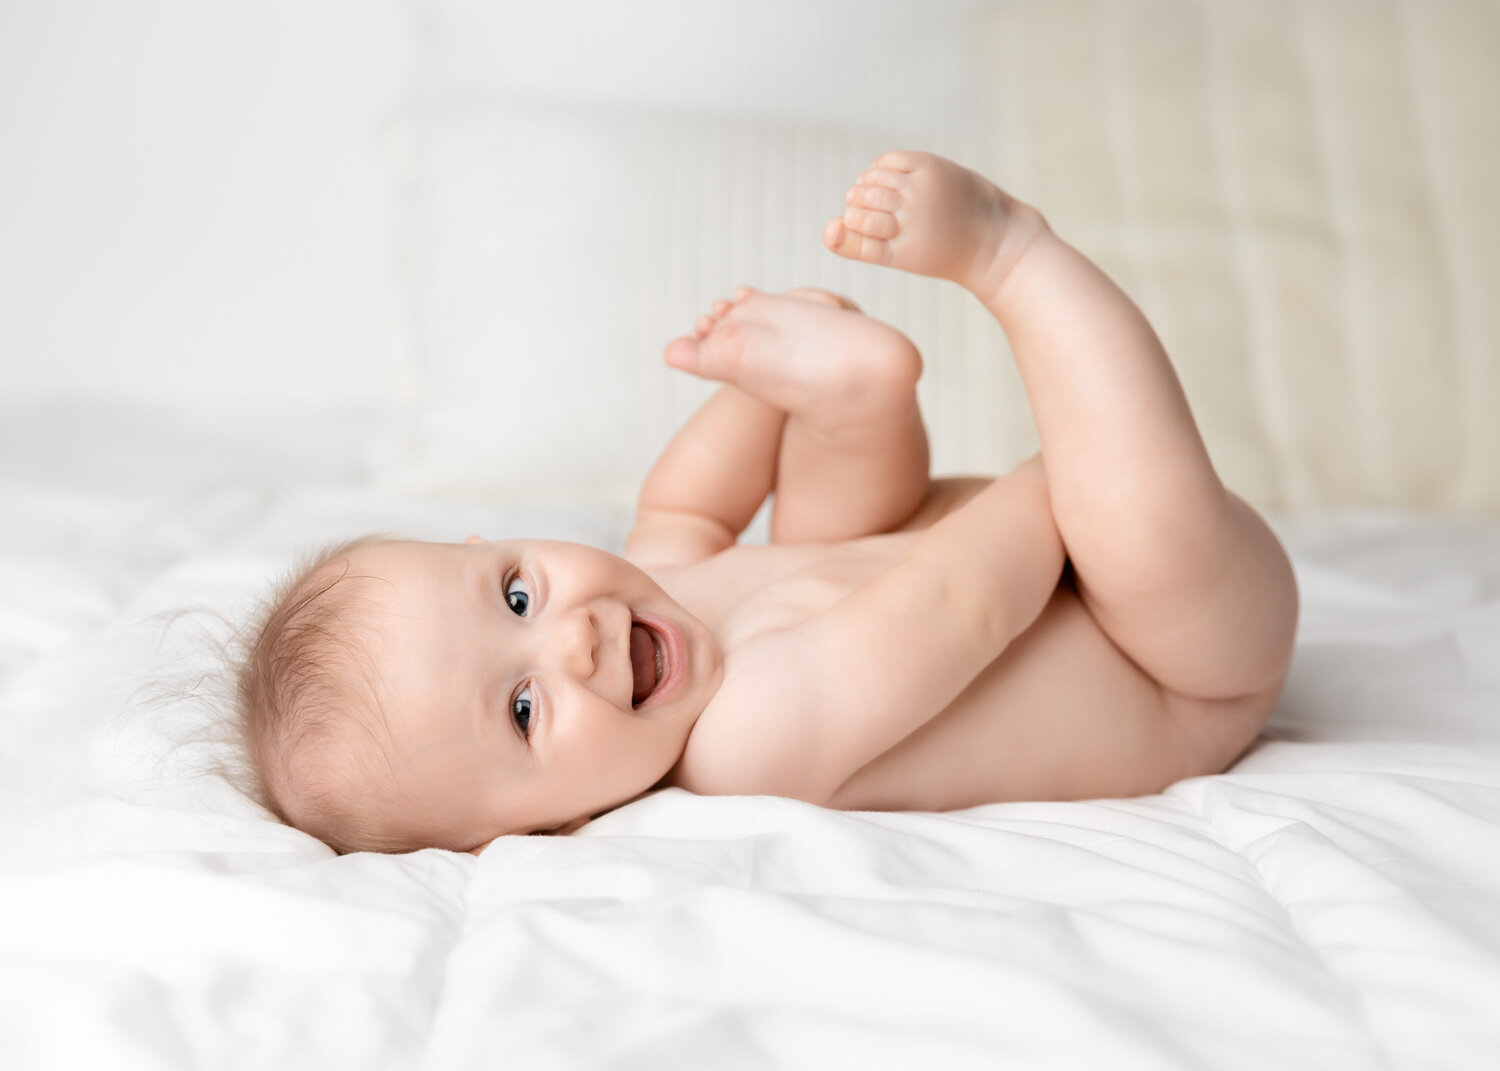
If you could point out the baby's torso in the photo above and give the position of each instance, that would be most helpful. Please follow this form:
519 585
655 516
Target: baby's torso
749 590
981 747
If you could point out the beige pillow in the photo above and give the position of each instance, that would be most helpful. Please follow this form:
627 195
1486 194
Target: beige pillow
1302 194
565 211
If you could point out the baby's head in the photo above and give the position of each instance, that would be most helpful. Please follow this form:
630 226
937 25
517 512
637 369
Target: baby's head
404 695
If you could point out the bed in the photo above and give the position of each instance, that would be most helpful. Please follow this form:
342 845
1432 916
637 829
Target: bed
1332 902
1246 170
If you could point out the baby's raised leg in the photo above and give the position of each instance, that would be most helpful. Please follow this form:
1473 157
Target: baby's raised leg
1181 574
853 457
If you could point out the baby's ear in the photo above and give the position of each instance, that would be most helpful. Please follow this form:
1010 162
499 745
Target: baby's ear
472 540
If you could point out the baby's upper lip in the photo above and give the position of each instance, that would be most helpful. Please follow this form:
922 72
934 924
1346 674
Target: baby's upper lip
631 620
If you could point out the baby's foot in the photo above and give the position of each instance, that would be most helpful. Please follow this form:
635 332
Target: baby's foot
924 214
807 352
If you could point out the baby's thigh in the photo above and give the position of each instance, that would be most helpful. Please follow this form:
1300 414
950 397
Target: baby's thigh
1206 734
1217 732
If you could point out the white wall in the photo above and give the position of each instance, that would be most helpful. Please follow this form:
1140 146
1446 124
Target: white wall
193 207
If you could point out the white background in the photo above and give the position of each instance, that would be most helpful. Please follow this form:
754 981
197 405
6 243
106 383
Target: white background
193 204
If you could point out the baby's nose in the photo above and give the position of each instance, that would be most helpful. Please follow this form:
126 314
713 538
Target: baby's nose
578 642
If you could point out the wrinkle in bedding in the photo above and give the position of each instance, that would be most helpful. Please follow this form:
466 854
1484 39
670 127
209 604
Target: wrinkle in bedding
1331 902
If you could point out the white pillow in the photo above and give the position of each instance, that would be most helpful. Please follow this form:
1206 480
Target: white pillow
566 209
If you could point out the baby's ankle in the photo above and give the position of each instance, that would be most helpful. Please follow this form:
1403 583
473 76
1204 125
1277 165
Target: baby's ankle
1018 228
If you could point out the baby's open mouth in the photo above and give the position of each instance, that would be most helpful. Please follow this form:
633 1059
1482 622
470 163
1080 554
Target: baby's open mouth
645 662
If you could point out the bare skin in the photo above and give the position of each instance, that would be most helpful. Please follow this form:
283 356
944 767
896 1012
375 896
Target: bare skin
1103 620
1158 655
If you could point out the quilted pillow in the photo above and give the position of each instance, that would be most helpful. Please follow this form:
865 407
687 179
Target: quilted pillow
1302 196
1299 194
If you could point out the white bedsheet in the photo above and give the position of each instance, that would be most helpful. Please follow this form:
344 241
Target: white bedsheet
1332 902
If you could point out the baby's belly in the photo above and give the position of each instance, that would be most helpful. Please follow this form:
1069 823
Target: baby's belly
1061 714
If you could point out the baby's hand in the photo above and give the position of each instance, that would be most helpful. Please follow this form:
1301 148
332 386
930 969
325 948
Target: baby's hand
806 352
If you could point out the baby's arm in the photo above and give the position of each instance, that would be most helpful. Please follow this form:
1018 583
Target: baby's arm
708 483
826 698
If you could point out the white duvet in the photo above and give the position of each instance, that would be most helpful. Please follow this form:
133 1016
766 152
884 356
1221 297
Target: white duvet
1332 902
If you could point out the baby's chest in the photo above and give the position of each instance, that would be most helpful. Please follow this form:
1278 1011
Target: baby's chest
793 597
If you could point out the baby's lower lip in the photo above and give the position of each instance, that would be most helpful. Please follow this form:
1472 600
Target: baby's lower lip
674 658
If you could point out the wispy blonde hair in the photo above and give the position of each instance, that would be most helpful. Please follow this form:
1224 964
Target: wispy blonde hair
308 716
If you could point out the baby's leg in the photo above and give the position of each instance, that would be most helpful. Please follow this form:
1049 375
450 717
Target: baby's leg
1182 575
853 458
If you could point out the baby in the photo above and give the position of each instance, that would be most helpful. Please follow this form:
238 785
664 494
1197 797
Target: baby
1103 620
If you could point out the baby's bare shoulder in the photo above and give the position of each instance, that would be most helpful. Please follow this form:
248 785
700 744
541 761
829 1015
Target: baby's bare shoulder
797 661
759 734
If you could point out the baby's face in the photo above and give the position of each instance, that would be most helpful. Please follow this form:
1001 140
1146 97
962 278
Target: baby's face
528 683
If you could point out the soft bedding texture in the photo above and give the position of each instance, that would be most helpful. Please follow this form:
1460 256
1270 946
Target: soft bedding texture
1298 192
1331 902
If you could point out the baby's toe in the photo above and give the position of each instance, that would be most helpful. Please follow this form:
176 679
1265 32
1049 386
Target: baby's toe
901 160
888 177
870 223
703 325
879 198
847 242
821 297
721 307
682 353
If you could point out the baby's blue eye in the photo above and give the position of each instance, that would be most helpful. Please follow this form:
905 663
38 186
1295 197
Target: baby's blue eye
516 597
520 710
